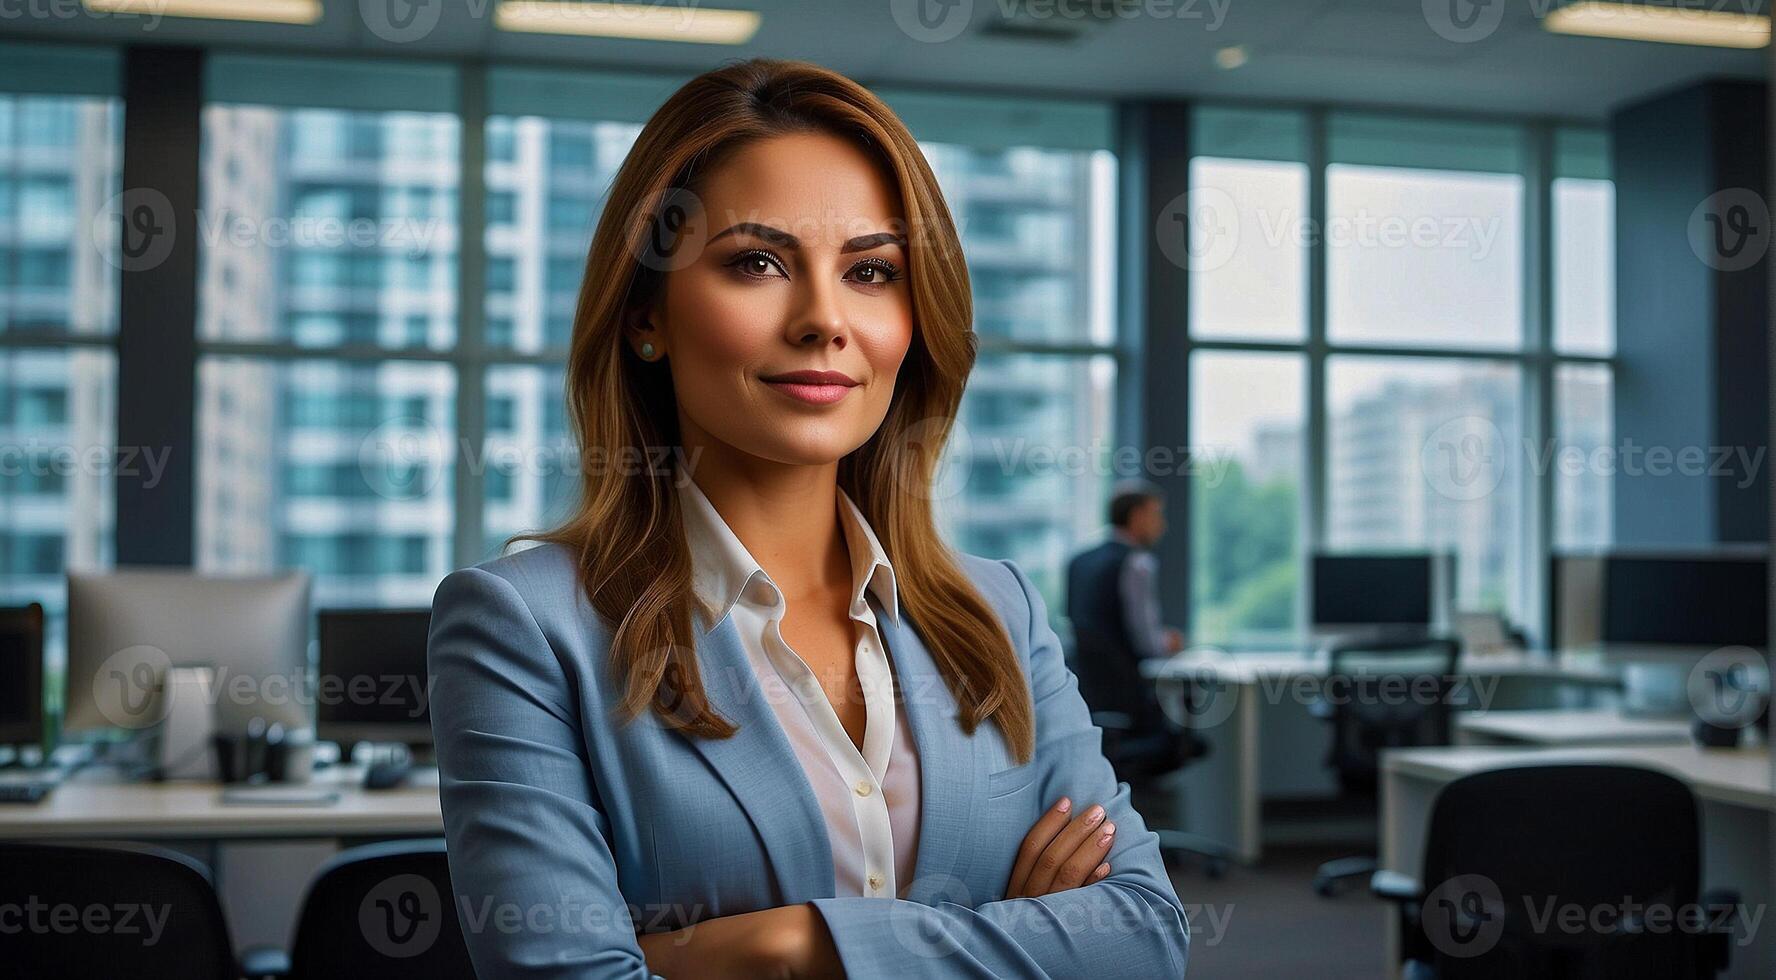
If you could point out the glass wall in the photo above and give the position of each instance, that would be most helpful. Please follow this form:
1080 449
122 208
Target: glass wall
1425 361
61 127
354 421
327 278
1037 223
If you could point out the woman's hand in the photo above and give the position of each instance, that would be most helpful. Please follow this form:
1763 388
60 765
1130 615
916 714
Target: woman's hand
1058 853
787 943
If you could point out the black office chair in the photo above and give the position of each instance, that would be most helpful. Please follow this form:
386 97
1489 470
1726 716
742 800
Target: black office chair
1382 692
139 913
382 910
1142 740
1507 846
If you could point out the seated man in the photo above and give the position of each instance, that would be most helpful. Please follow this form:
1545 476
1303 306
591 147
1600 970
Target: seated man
1113 603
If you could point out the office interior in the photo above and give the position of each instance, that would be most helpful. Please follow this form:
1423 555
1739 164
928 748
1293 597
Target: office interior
1441 328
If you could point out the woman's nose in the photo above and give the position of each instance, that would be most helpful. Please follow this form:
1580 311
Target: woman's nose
819 319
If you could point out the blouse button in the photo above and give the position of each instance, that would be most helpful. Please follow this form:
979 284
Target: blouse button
875 881
863 787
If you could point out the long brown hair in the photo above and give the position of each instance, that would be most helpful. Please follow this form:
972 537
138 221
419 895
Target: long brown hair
633 558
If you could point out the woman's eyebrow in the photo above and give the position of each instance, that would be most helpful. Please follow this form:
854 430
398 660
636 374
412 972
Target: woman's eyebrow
773 235
864 242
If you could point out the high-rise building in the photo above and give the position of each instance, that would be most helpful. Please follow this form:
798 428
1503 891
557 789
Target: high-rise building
59 169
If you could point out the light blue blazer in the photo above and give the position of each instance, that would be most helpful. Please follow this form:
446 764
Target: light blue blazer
569 832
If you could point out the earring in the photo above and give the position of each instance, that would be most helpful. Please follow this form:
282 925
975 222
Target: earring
647 352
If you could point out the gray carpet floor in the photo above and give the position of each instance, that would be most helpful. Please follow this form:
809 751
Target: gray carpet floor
1267 921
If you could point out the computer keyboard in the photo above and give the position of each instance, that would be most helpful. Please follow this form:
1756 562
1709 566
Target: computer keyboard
25 792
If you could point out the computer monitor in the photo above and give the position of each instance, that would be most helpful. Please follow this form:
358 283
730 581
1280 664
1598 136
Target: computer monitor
373 682
1373 590
125 628
1691 600
21 675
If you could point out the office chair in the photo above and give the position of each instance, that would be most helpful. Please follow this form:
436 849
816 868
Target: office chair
1142 741
1381 693
1505 846
142 913
382 910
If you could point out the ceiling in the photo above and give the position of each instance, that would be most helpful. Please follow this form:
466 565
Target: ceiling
1374 52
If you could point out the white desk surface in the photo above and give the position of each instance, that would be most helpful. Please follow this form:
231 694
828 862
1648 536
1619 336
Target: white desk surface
1741 777
1585 666
92 804
1581 727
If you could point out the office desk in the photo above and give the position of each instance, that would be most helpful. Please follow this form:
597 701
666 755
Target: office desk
1597 726
1734 785
94 806
1263 699
261 856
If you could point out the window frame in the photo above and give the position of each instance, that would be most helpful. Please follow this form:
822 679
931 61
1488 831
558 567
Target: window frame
1537 359
486 90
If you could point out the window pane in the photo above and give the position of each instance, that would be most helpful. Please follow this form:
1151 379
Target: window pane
1038 229
1250 281
58 472
1584 405
340 468
328 227
1029 464
60 226
545 189
529 470
1246 414
1427 454
1424 258
1584 265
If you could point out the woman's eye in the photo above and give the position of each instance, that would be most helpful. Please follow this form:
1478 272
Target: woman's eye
758 265
874 274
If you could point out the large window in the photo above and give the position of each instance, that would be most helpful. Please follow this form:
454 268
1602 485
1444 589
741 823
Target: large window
360 417
1429 430
1246 409
60 250
1034 197
327 291
1584 294
553 144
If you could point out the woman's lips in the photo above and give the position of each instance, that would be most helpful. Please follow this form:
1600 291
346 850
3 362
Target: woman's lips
813 394
813 387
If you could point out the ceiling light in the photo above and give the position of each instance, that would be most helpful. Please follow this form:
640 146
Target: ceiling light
1675 25
264 11
1232 57
636 21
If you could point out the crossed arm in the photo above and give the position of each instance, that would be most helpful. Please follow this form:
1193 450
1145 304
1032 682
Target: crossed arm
516 787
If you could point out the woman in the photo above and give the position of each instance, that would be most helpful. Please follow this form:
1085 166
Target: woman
744 714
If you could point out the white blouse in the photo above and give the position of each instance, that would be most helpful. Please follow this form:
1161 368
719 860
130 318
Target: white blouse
869 799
